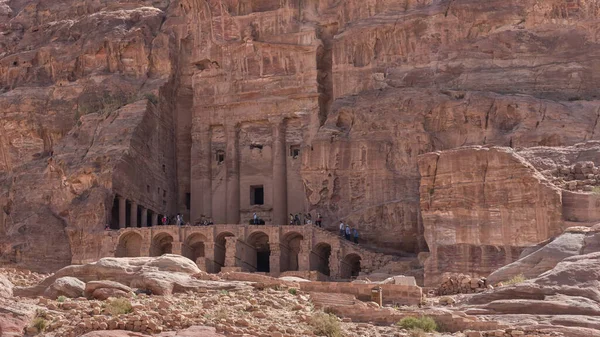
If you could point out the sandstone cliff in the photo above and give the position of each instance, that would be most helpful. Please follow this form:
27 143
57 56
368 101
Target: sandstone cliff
373 85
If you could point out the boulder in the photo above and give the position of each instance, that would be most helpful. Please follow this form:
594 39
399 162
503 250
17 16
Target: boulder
104 293
65 286
6 287
162 275
92 286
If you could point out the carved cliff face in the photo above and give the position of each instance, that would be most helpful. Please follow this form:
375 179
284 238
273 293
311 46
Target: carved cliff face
367 88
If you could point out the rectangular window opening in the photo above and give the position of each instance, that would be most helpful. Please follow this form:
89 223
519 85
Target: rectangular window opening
295 151
256 146
257 195
220 157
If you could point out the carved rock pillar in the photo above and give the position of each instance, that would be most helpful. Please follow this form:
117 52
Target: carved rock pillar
122 212
233 175
304 256
201 172
275 259
279 172
154 219
133 215
176 247
144 217
230 251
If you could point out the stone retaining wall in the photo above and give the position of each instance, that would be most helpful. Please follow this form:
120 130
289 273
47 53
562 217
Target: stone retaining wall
392 293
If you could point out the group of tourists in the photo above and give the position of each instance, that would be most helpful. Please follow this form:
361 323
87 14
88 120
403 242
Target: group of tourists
348 233
299 219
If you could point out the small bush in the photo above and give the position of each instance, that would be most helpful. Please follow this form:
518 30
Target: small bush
424 323
151 97
221 314
326 325
119 306
516 279
39 324
596 190
293 291
61 299
224 292
41 313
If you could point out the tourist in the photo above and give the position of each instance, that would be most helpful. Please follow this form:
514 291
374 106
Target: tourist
355 235
347 232
291 219
164 220
106 228
255 217
342 228
319 220
297 220
308 219
178 220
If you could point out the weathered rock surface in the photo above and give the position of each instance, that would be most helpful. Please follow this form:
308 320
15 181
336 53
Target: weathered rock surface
481 207
6 287
161 275
566 296
65 286
574 241
192 331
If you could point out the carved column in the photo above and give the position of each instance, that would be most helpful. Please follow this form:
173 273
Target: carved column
133 215
122 212
154 219
230 251
144 217
201 172
275 259
176 247
279 171
233 175
209 255
304 256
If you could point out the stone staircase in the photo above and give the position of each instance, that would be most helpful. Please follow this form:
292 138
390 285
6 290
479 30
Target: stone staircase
379 259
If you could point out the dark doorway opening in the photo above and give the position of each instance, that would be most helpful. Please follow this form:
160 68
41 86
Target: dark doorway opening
188 201
257 195
114 214
262 261
139 217
149 218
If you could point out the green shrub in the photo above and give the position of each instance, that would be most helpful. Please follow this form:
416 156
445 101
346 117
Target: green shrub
424 323
39 324
596 190
61 299
326 325
151 97
119 306
293 291
514 280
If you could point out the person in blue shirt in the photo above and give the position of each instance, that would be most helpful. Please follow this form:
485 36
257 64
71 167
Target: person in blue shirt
355 235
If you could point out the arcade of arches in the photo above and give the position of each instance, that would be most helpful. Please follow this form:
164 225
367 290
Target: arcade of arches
264 249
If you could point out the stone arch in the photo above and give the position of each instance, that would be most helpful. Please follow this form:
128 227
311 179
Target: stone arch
162 243
259 256
350 266
220 250
319 258
130 245
193 247
290 251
